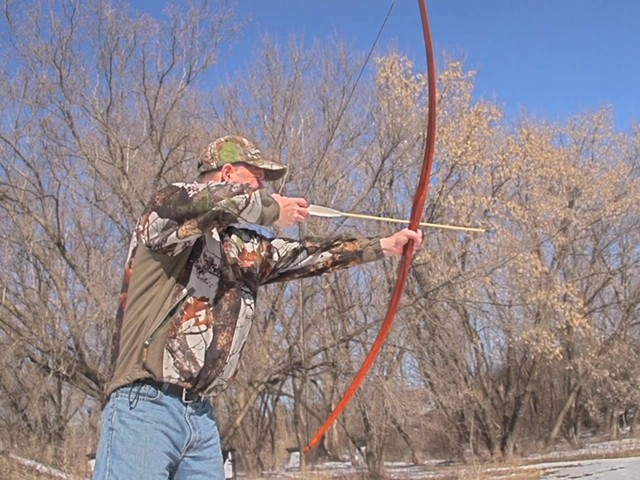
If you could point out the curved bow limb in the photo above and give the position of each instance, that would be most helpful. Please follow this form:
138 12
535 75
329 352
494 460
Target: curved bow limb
419 202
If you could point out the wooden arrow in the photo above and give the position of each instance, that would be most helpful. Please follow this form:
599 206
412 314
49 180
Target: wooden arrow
318 211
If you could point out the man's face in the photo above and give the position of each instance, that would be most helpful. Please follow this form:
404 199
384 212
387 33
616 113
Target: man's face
247 174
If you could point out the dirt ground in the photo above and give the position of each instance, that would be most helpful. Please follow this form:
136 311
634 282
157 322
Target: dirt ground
618 460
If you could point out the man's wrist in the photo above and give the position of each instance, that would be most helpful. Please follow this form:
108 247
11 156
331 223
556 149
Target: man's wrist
270 209
385 244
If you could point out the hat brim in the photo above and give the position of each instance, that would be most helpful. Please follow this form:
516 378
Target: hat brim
272 171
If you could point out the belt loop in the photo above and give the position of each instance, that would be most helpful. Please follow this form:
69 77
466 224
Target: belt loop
185 400
133 399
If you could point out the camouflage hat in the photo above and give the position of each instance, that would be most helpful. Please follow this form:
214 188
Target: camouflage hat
234 149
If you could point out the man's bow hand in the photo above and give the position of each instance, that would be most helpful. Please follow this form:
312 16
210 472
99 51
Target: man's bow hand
394 244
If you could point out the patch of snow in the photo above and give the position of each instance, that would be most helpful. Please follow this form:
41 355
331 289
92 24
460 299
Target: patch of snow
40 468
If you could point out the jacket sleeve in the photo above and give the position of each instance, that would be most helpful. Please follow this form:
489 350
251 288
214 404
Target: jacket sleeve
285 259
181 213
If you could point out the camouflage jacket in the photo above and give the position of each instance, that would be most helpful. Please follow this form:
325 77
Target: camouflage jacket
191 280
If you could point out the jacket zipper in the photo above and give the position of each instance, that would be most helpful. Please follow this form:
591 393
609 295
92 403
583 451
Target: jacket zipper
174 308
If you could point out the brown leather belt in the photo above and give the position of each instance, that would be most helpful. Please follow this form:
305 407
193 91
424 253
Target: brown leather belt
186 395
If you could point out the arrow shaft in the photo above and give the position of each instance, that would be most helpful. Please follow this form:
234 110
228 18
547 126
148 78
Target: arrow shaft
362 216
422 224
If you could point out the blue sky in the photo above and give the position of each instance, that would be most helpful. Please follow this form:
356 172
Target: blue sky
552 58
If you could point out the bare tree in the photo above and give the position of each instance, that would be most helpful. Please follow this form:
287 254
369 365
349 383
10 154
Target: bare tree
100 108
503 340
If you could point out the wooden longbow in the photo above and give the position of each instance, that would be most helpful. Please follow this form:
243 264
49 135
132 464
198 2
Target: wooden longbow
419 202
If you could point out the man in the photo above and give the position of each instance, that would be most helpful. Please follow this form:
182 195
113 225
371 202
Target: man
187 303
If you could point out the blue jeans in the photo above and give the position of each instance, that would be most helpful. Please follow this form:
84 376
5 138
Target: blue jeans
149 435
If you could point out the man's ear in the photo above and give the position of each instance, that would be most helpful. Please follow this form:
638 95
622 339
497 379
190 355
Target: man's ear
226 171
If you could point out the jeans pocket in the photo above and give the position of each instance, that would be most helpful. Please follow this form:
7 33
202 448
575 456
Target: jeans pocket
148 393
137 392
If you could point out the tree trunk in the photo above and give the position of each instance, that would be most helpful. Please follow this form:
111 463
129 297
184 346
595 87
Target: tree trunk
508 441
560 418
415 456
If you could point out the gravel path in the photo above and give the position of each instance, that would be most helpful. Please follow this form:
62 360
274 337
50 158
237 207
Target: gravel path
604 469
